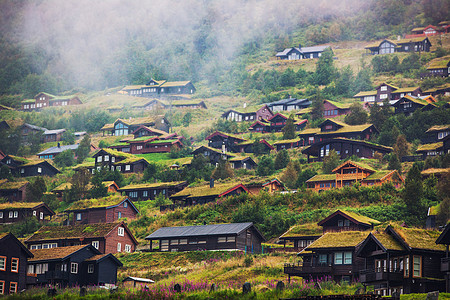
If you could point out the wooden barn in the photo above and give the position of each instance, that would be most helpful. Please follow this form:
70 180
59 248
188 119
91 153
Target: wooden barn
237 236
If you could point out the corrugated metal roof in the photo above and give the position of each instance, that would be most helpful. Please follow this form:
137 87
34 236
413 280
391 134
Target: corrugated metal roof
202 230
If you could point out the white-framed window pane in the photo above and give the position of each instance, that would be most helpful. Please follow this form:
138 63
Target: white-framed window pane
74 268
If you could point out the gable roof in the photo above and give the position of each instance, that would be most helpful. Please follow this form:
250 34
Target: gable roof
355 217
58 149
430 147
415 238
8 235
101 203
11 185
204 190
99 257
152 185
437 128
202 230
58 253
76 232
339 105
444 237
201 148
355 164
310 229
225 135
439 63
344 239
25 205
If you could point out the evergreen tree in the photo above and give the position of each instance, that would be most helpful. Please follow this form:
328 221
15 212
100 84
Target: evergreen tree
187 119
290 174
80 182
98 189
325 70
64 159
344 82
357 115
5 172
265 166
304 176
36 189
394 163
330 162
413 196
68 137
401 146
317 105
362 82
289 129
223 170
84 148
281 160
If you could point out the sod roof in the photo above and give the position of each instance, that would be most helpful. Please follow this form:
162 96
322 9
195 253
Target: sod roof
127 157
248 109
174 83
344 239
360 218
439 63
19 205
378 175
435 171
366 93
430 147
72 232
339 104
388 241
419 238
357 164
9 186
54 253
286 141
438 128
347 129
240 158
26 101
304 111
97 203
405 90
19 159
310 229
322 177
205 190
151 185
310 131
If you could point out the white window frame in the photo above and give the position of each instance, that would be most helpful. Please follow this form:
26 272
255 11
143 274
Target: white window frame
74 268
91 268
127 167
41 216
119 247
16 214
78 217
96 244
39 170
127 248
121 231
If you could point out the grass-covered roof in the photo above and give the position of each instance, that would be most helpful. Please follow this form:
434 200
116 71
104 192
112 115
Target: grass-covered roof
430 147
388 241
378 175
309 229
9 186
360 218
151 185
71 232
340 104
54 253
248 109
420 238
439 63
438 128
286 141
322 177
96 203
205 190
18 205
344 239
347 129
366 93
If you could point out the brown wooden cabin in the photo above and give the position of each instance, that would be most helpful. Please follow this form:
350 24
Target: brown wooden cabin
149 191
59 191
72 266
248 114
43 100
248 147
14 191
136 282
301 236
287 144
333 109
242 162
278 121
107 209
351 172
444 239
346 221
224 142
439 67
238 236
413 44
404 260
330 257
389 92
433 149
13 264
19 211
334 129
215 155
407 105
159 88
22 167
120 161
149 144
148 131
270 186
206 193
261 126
114 237
345 148
436 133
125 127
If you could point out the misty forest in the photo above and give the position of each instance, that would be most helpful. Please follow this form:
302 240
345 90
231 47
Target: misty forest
243 149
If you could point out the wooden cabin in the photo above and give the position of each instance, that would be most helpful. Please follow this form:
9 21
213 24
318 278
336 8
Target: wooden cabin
444 239
242 162
436 133
345 148
351 172
287 144
333 109
330 128
430 150
136 282
238 236
14 191
224 141
342 220
215 155
300 236
148 144
289 104
248 113
416 44
120 161
403 260
407 105
13 264
113 237
22 167
295 53
157 88
107 209
125 127
249 147
20 211
439 67
59 191
388 91
149 191
43 100
73 266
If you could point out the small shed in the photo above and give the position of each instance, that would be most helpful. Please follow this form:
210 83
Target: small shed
136 281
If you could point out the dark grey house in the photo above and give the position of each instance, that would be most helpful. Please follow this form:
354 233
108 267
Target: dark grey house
301 52
237 236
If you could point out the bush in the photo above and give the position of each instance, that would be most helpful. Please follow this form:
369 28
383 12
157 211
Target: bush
248 261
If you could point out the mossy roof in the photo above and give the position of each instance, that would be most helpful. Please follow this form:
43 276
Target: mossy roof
340 104
388 241
18 205
164 141
127 157
310 131
10 185
439 63
415 100
304 110
344 239
435 171
20 159
322 177
310 229
74 231
174 83
366 93
54 253
239 158
120 144
358 164
438 128
96 203
429 147
347 129
68 185
151 185
182 102
360 218
378 175
248 109
204 190
420 238
406 89
28 101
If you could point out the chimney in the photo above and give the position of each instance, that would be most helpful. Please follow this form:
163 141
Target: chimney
211 183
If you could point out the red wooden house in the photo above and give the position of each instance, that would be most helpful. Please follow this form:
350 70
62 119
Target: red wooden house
13 264
108 209
389 92
43 100
248 113
111 237
20 211
333 109
13 191
120 161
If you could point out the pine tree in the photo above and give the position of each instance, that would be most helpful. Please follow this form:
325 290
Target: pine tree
330 162
289 129
317 105
83 149
413 196
401 146
394 163
281 160
357 115
36 190
325 70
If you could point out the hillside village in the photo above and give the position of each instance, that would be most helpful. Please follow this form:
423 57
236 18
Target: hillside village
324 170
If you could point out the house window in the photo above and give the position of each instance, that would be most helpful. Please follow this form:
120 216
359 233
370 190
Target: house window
91 268
346 223
127 248
13 287
34 213
340 223
383 96
231 239
119 247
144 193
22 170
322 258
14 265
1 215
165 245
125 204
41 215
119 215
95 244
222 239
113 159
30 269
121 231
139 147
338 258
99 159
133 195
39 170
16 214
406 267
2 263
74 268
417 266
183 242
2 287
118 168
106 158
347 258
11 214
78 216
